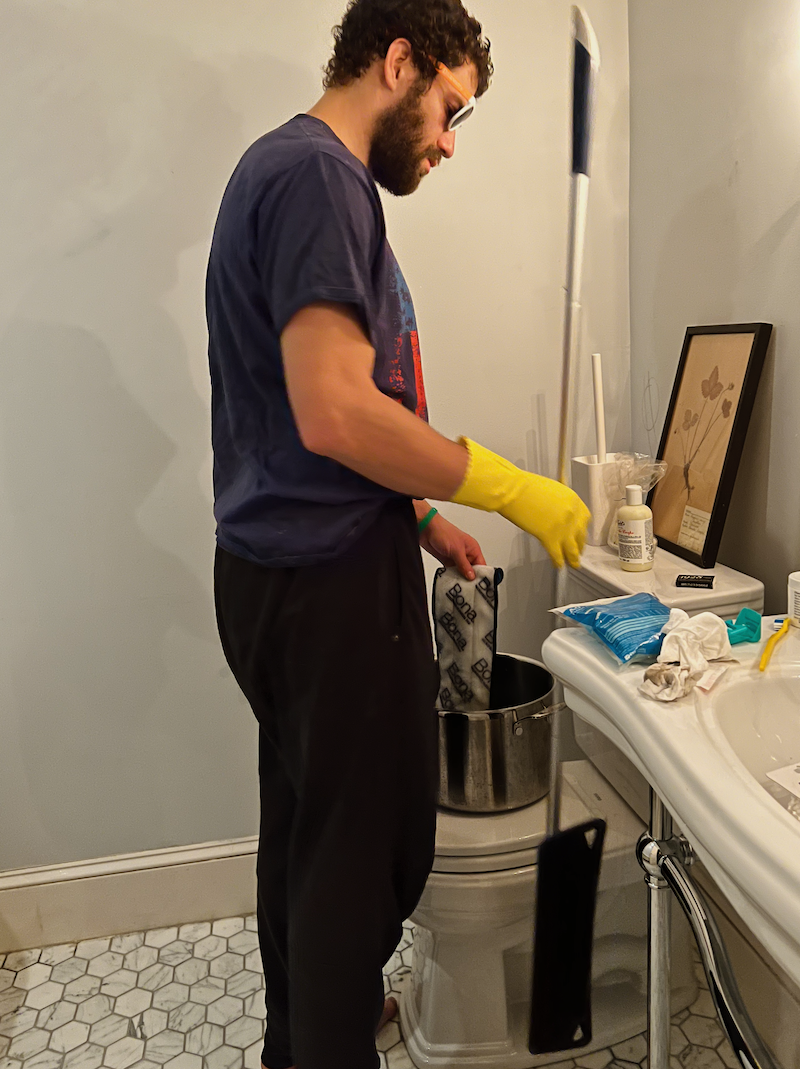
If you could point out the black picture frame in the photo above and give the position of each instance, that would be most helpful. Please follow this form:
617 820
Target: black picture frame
704 435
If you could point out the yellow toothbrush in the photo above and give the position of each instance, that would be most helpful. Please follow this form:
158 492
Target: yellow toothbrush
769 649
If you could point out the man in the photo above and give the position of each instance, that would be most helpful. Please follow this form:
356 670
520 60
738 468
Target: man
323 461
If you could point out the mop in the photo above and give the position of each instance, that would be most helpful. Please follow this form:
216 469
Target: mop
569 861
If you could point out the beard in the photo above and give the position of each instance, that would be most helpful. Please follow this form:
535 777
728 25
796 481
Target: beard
395 156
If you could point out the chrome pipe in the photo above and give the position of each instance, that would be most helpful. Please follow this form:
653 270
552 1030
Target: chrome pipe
749 1048
659 945
663 860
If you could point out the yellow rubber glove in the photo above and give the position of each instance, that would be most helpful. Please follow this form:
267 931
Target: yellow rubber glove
543 507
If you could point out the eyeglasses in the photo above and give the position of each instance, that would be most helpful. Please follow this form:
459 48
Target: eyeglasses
464 113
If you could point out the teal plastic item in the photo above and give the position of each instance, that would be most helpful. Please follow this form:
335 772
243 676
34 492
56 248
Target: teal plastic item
746 627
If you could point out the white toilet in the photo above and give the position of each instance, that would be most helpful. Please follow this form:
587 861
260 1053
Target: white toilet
467 1002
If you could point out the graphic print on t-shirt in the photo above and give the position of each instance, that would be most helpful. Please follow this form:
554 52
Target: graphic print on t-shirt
406 362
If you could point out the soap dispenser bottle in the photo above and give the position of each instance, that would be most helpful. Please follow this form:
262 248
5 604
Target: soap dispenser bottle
635 532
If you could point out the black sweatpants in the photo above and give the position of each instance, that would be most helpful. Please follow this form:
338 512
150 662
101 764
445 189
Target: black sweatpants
336 661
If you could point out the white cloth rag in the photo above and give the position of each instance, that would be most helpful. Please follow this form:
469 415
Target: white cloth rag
689 644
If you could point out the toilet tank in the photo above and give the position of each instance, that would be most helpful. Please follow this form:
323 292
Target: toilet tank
600 576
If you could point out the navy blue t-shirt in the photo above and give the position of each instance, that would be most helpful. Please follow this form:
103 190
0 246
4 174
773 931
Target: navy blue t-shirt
300 221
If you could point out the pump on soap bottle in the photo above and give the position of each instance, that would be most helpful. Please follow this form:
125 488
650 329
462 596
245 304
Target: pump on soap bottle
635 532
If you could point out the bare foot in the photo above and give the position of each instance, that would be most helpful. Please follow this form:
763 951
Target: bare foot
389 1011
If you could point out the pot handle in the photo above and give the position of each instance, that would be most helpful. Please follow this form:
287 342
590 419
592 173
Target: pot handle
549 711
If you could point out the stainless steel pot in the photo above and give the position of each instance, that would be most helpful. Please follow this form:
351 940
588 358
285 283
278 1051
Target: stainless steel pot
499 760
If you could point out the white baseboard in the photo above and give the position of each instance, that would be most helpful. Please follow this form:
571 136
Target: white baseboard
126 893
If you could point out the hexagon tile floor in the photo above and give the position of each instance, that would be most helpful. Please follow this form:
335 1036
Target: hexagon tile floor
192 998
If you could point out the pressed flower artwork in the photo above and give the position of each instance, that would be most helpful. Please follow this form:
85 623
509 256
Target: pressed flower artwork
697 438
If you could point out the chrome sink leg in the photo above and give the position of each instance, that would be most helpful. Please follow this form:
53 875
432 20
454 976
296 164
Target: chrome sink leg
659 929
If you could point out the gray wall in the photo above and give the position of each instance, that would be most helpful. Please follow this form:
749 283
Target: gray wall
120 727
715 222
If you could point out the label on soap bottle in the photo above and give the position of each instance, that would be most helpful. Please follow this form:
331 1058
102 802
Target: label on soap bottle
635 540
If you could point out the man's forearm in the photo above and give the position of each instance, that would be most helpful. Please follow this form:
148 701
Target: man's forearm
388 444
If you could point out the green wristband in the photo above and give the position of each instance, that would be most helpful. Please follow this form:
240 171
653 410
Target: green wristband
426 519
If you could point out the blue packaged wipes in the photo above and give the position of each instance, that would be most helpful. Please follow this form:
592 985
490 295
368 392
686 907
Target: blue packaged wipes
628 626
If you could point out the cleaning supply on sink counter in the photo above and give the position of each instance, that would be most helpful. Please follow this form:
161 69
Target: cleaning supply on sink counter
690 643
745 628
628 626
794 599
635 532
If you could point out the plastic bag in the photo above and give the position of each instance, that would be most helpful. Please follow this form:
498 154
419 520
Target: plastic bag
628 626
631 469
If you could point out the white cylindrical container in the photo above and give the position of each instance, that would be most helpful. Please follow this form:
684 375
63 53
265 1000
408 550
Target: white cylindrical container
635 532
794 598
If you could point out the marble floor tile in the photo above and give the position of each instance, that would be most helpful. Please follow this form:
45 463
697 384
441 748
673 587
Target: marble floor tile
125 944
228 927
124 1053
19 1021
170 997
192 933
225 1010
186 1061
52 1017
205 1038
10 1001
191 997
175 952
117 983
159 975
207 991
225 1058
243 942
87 1056
159 937
243 983
32 976
108 1030
45 994
69 1036
104 964
189 972
243 1032
55 955
21 959
91 948
226 965
700 1058
186 1017
599 1060
69 969
163 1047
28 1043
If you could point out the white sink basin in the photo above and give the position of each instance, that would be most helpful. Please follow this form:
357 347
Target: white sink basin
708 757
759 719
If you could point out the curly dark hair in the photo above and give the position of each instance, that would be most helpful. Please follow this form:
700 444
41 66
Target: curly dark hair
441 29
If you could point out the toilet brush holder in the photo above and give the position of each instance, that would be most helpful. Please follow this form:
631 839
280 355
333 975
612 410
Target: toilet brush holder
596 485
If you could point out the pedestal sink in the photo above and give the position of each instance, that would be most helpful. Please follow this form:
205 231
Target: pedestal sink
707 758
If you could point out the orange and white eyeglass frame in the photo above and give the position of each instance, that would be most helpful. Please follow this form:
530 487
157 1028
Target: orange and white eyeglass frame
464 113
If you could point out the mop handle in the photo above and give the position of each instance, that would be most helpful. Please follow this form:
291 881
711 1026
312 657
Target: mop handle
599 409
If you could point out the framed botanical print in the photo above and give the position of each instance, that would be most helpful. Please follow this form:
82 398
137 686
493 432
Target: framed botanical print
703 438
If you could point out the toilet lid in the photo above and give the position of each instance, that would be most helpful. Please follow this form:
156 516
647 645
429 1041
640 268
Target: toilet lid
487 835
